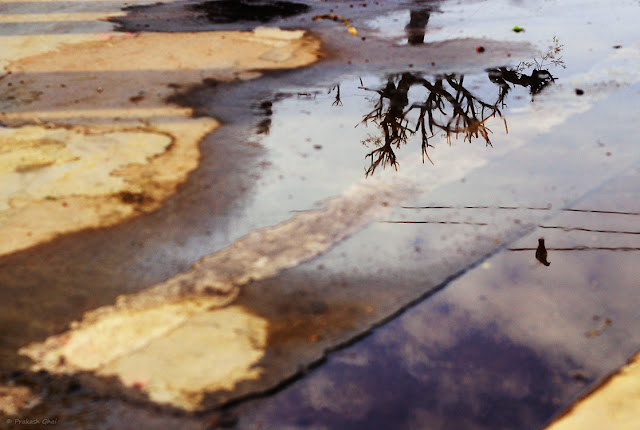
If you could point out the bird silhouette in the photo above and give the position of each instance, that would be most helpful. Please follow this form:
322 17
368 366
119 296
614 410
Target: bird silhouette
541 253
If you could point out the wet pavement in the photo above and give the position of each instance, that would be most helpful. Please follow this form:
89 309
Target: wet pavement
507 345
468 156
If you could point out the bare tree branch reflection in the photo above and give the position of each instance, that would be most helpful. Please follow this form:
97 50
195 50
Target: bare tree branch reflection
502 76
539 78
448 107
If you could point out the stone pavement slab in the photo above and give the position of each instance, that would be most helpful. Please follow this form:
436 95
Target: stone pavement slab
614 404
253 314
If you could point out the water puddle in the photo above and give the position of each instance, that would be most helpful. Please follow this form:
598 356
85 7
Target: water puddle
369 128
490 152
523 156
423 22
505 346
471 201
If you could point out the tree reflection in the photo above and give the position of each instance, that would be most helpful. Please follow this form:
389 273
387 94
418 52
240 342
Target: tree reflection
537 80
502 76
447 108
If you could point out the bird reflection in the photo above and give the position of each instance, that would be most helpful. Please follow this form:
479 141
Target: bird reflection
541 253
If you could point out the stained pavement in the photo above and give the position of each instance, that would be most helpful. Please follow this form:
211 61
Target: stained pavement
288 321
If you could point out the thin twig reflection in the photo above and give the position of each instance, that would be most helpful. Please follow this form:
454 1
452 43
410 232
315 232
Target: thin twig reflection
447 108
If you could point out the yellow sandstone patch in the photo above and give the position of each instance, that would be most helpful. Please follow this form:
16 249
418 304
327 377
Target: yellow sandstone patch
181 367
60 180
91 143
38 163
172 354
16 399
612 406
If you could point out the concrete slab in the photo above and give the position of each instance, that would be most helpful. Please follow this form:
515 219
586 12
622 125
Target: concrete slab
503 346
177 343
116 96
143 327
614 404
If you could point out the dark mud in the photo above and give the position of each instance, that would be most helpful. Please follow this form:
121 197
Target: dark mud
230 11
203 16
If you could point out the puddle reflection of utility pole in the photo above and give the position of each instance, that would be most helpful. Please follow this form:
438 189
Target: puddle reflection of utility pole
418 20
541 253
